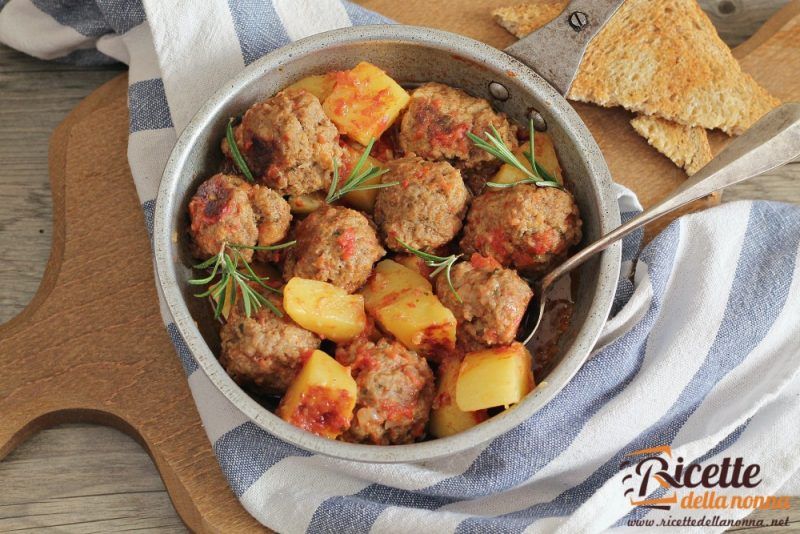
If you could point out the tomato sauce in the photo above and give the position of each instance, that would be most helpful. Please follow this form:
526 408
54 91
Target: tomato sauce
323 411
347 242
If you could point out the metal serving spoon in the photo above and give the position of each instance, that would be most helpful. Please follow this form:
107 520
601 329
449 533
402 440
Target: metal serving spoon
771 142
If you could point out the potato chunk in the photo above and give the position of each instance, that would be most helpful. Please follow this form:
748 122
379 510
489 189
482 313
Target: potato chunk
360 199
324 309
319 85
415 263
302 205
389 279
403 303
321 398
227 305
420 322
545 155
499 376
446 418
365 102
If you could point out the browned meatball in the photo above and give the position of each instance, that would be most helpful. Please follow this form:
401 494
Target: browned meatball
493 301
426 209
526 227
395 392
289 143
336 245
273 217
265 350
436 124
220 213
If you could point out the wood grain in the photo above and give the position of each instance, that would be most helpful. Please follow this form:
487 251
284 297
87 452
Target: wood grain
736 20
34 97
83 478
80 338
67 477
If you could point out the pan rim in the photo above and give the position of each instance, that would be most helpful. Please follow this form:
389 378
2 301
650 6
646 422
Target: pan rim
608 268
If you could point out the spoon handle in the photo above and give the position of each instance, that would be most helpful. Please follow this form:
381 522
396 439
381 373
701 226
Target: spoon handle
771 142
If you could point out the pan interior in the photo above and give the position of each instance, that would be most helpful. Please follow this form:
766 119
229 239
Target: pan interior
422 56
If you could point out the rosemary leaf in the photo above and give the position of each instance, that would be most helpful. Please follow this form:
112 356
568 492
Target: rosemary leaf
235 154
495 146
357 179
265 247
440 263
232 279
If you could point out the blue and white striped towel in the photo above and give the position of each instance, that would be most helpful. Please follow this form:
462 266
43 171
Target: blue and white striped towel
702 352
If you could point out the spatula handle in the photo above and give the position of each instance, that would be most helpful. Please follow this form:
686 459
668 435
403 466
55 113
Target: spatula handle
771 142
555 50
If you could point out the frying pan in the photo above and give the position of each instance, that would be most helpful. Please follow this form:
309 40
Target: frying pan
411 55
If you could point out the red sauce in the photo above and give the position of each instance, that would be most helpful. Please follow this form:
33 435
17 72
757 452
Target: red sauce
441 400
449 137
544 242
384 147
393 411
347 242
495 243
323 411
304 357
437 343
483 262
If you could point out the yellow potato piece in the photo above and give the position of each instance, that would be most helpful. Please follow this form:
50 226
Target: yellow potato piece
319 85
545 155
419 321
414 263
321 398
499 376
359 199
365 102
324 309
266 272
226 306
388 279
304 204
446 418
403 303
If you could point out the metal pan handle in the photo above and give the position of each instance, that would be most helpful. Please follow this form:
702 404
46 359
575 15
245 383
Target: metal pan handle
555 50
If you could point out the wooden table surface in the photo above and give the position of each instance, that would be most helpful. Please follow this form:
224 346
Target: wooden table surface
85 478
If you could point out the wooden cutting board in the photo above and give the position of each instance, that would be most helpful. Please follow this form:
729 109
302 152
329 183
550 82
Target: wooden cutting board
91 346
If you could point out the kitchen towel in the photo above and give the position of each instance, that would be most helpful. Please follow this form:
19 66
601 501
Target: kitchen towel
701 352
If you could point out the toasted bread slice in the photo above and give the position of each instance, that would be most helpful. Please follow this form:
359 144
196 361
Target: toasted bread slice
660 58
687 146
522 19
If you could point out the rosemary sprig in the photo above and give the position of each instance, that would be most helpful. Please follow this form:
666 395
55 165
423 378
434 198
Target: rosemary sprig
358 177
497 147
231 278
439 263
267 247
235 154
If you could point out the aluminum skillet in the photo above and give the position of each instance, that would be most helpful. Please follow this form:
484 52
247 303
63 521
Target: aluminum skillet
411 55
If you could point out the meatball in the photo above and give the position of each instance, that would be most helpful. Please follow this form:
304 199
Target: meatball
426 209
436 124
264 350
395 392
493 301
289 143
336 245
220 213
526 227
273 217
